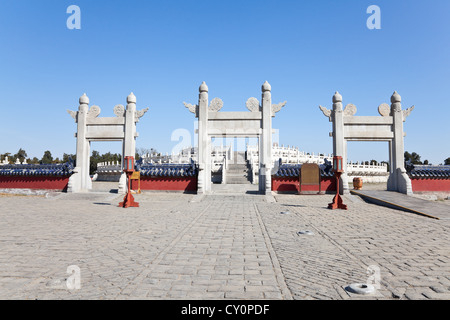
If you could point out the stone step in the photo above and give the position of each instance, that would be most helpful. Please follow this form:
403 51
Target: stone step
238 158
237 170
237 180
237 166
239 175
236 189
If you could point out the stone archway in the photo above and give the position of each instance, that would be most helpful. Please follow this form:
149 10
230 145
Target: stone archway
386 127
257 123
90 128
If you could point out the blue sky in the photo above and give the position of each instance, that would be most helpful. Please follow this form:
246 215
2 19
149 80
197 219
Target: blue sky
163 50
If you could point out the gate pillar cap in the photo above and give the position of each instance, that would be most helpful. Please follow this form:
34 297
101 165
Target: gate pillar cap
203 87
396 97
131 98
84 99
266 87
337 97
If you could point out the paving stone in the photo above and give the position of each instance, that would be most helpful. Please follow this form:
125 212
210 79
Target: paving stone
222 247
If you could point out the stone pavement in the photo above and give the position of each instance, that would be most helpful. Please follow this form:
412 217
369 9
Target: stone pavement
396 200
222 246
412 253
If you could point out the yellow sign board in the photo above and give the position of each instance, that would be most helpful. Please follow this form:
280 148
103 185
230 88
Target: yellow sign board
136 175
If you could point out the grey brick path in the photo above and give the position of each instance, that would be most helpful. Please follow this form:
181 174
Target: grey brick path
222 247
412 252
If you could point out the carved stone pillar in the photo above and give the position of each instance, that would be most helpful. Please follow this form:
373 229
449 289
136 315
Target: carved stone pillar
339 143
265 145
79 183
398 179
91 128
203 145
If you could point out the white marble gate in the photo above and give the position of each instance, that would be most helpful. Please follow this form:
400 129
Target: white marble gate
254 124
90 128
386 127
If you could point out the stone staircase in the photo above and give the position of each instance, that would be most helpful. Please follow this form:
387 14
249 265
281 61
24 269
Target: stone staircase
237 172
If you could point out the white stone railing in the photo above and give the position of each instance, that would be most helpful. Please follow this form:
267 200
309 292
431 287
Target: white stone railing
289 155
158 158
295 156
110 166
184 156
367 170
368 173
108 171
253 161
4 162
218 163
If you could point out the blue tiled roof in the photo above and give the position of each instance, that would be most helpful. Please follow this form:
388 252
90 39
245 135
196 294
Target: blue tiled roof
36 169
168 170
293 170
427 172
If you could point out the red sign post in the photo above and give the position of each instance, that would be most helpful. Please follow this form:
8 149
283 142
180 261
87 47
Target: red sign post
128 200
338 170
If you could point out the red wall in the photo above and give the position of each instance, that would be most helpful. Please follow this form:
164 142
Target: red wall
34 182
442 185
187 184
290 184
